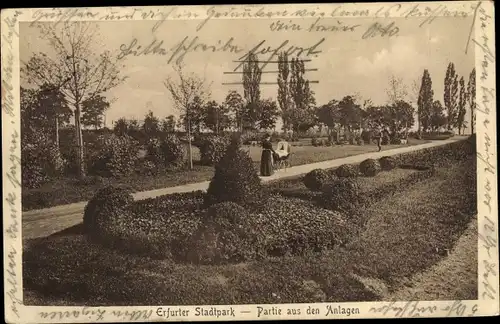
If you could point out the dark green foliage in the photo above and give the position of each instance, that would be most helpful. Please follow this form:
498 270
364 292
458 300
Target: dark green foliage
289 226
387 163
172 150
315 179
212 149
342 194
235 179
346 171
367 136
369 167
105 209
40 160
223 236
113 156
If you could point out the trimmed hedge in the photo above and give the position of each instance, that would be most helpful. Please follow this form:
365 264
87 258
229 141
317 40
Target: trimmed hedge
347 171
341 195
224 236
316 178
369 167
235 179
387 163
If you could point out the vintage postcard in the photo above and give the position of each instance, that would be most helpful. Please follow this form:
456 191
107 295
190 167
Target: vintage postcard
249 162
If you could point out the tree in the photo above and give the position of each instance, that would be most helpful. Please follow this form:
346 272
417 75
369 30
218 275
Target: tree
121 126
471 96
196 113
216 117
451 95
151 124
460 121
399 116
269 113
168 124
93 110
301 116
251 79
44 109
329 115
184 91
283 87
397 90
425 101
437 119
234 102
74 69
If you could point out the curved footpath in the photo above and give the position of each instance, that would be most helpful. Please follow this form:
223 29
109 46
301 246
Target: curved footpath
47 221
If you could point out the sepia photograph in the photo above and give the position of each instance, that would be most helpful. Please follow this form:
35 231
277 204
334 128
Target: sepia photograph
266 155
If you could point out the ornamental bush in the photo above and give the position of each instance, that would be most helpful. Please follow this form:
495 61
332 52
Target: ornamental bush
346 171
235 179
172 151
315 179
387 163
106 211
113 156
369 167
212 149
341 195
40 160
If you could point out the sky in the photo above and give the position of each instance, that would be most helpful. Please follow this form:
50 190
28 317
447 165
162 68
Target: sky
346 63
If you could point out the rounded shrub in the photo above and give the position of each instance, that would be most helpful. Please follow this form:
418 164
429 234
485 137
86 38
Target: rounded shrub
212 149
341 195
346 171
223 236
107 211
113 156
385 139
315 179
369 167
314 141
235 179
367 136
387 163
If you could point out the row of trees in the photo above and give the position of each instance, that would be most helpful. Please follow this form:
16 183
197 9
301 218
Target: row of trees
457 99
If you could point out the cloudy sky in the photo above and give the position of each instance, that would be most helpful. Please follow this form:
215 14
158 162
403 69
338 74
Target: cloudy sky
346 63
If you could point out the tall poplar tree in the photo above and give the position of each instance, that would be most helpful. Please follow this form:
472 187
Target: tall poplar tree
425 101
451 95
471 98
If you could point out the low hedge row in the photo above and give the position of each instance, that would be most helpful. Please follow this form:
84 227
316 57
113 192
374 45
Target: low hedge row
177 227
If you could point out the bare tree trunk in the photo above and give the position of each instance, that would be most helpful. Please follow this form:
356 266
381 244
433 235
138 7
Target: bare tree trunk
472 121
57 133
190 154
79 143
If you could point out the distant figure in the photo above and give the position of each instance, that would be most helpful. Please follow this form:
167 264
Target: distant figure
266 160
378 136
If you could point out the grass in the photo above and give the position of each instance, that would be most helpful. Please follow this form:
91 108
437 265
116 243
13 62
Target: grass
69 190
406 234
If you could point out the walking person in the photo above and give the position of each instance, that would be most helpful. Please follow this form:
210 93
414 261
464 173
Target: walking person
266 160
379 138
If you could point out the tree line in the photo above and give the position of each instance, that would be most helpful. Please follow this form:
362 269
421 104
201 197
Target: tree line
72 85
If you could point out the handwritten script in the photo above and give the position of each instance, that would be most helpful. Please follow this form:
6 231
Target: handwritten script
418 309
12 169
486 154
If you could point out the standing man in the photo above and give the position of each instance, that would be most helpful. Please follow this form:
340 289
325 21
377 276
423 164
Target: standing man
379 138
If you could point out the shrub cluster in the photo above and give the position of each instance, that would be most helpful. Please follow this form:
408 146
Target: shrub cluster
341 195
40 160
292 226
346 171
387 163
316 178
369 167
367 136
113 156
235 179
212 149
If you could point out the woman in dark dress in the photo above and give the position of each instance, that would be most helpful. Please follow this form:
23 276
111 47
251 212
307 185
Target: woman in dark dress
266 160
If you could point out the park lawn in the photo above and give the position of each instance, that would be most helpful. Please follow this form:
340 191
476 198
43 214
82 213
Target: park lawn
406 233
69 190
